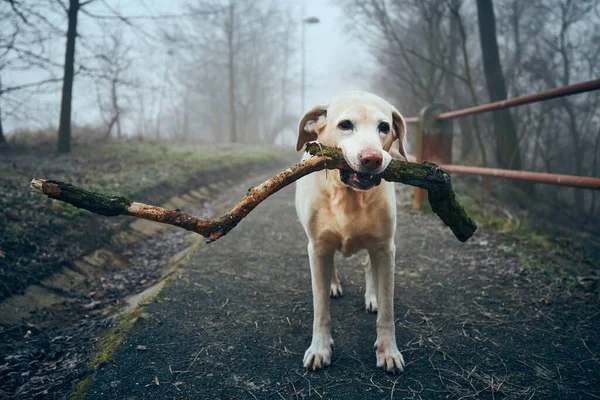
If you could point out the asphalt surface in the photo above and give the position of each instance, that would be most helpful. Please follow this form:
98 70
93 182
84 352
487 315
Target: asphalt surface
236 320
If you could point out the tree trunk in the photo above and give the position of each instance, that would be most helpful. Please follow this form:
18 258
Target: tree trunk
507 143
286 56
469 81
64 127
466 144
186 113
2 138
452 96
115 105
109 129
232 117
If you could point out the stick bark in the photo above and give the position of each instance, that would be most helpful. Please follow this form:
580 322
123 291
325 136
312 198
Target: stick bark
426 175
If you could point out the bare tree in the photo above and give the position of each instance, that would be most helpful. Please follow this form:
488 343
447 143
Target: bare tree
64 127
507 144
423 50
114 64
2 137
26 31
72 11
230 32
543 44
243 49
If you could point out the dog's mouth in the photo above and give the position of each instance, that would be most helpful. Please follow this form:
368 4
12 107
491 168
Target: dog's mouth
359 180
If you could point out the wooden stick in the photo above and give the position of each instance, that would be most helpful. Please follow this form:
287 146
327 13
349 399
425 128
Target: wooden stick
426 175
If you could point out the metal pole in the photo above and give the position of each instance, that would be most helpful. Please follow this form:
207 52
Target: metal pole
434 143
576 88
303 72
585 182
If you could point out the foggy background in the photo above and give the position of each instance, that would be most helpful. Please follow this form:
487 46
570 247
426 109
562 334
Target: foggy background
230 71
165 57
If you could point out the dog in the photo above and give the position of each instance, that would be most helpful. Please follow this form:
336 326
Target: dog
349 211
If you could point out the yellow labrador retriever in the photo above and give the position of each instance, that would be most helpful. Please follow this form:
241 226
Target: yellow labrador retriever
351 211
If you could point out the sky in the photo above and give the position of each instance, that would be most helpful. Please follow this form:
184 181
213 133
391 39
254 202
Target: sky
335 55
332 59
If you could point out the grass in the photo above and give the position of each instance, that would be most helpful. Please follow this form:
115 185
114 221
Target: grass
38 235
561 256
129 167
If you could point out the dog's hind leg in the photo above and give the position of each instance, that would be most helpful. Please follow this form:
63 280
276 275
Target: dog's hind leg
336 286
370 286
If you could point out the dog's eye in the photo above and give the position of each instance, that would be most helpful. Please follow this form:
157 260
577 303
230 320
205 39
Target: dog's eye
384 127
345 125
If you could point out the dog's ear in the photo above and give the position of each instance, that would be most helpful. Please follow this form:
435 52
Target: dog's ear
400 132
310 125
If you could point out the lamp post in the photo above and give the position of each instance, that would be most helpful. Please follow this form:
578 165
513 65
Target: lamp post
309 20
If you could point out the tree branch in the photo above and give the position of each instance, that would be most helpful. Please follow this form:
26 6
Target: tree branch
28 85
426 175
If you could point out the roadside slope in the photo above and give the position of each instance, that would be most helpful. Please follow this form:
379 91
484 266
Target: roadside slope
39 236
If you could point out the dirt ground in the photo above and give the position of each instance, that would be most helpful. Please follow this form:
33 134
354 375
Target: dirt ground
471 322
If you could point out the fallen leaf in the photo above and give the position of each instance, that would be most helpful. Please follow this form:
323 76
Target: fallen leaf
92 305
52 363
588 283
156 381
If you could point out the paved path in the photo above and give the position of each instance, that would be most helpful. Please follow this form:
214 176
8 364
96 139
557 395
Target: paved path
236 321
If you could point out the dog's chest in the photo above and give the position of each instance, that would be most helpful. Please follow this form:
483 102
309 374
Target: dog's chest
356 229
351 224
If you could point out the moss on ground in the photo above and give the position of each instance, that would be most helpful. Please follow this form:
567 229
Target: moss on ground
78 392
560 256
112 338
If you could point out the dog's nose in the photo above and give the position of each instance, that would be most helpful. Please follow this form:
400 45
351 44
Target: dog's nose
371 159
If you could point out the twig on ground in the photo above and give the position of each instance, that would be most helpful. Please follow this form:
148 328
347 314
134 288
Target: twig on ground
425 175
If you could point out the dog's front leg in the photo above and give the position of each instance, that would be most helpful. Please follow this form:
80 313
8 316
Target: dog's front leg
318 354
383 263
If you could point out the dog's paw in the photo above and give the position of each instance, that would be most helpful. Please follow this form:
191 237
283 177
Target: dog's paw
336 290
389 358
318 356
371 303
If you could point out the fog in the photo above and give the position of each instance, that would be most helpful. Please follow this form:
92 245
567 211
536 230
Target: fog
216 71
159 69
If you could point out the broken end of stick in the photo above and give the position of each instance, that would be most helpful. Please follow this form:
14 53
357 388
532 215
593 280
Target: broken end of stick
466 232
37 185
81 198
213 236
43 186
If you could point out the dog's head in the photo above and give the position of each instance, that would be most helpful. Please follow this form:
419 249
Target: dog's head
364 126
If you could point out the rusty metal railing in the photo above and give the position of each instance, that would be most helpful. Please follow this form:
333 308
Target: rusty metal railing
585 182
434 140
576 88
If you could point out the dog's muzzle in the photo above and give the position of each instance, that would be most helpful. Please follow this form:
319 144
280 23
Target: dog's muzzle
359 180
